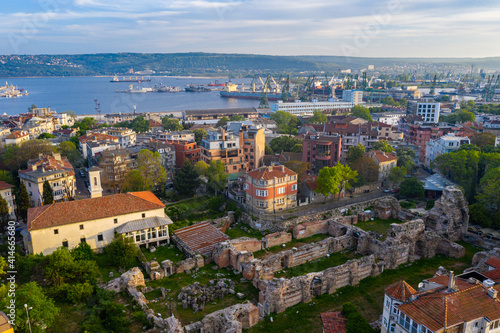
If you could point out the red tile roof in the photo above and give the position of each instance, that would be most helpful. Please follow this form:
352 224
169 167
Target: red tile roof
311 182
333 322
90 209
493 262
444 280
493 275
5 186
443 309
16 135
96 137
383 157
201 237
267 173
400 291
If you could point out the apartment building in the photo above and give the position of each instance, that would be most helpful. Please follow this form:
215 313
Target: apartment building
385 161
177 136
429 111
389 118
16 138
271 189
95 137
115 164
126 136
352 96
55 169
445 144
7 195
226 147
321 151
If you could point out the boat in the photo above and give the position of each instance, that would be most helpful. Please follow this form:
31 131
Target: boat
132 90
130 79
231 90
162 88
216 83
197 88
10 91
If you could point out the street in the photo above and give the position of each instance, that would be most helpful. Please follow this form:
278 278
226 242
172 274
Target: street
82 191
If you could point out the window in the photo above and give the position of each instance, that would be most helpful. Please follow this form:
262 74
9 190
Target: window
387 303
81 226
65 243
83 240
115 221
162 231
95 181
245 186
294 187
495 324
56 231
476 324
261 193
100 238
151 233
281 190
143 215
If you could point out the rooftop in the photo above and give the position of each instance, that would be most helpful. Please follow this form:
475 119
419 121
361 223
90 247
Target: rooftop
141 224
219 111
436 182
271 172
333 322
201 237
400 291
5 186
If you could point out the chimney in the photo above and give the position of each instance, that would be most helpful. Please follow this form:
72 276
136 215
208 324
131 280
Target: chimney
223 132
283 168
493 293
451 282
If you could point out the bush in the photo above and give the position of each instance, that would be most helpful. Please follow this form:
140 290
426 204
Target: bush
73 293
430 204
83 252
215 203
407 204
106 315
120 252
355 321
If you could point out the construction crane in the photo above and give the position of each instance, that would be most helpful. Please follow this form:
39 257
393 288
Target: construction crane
285 92
264 103
365 83
433 86
276 85
296 89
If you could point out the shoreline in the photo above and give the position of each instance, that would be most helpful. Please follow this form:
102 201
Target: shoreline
121 75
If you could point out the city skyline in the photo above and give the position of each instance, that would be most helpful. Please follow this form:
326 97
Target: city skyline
359 29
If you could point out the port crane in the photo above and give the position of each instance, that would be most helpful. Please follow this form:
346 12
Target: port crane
285 92
433 86
264 102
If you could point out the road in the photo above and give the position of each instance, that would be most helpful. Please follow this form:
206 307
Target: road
82 191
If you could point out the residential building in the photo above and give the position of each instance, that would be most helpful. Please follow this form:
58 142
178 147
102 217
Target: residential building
115 164
114 118
300 108
167 153
253 138
388 132
63 119
36 126
333 322
226 147
389 118
6 193
41 112
185 150
16 138
94 149
213 115
445 144
139 216
385 162
308 193
492 126
55 169
65 133
177 135
352 96
429 111
444 303
271 189
126 136
4 131
94 137
321 151
497 140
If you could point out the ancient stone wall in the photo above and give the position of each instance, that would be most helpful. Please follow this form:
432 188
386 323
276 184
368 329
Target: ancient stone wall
276 238
309 229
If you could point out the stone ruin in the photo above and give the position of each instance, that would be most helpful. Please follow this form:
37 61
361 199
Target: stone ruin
167 268
196 296
129 281
450 215
480 258
232 319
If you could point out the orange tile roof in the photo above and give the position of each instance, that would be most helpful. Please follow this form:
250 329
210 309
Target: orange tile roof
68 212
201 237
267 173
443 309
400 291
96 137
493 275
16 135
444 280
5 186
149 196
333 322
311 182
384 157
493 262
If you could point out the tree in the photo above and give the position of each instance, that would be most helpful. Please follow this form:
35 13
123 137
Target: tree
397 174
151 167
139 124
15 158
268 150
318 118
355 321
217 177
186 182
483 139
460 116
201 168
361 112
355 152
287 123
286 143
347 176
402 102
298 167
171 124
23 202
68 149
489 194
388 101
405 155
121 251
3 265
328 182
6 176
199 133
42 311
4 214
412 188
82 252
48 193
46 136
367 170
383 145
237 118
133 181
222 122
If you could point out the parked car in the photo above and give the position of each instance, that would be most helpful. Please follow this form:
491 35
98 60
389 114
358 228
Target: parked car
387 190
87 183
169 186
82 174
396 190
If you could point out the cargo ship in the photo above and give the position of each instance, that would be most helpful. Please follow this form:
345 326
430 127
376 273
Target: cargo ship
216 84
231 90
130 79
197 88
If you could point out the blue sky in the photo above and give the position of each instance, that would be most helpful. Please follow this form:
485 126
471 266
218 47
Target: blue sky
399 28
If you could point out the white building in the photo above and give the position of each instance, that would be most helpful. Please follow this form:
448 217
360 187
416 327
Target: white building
177 135
352 96
497 140
445 144
6 193
429 111
389 118
300 108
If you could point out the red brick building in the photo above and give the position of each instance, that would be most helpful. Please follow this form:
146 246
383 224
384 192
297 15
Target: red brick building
185 150
271 189
321 151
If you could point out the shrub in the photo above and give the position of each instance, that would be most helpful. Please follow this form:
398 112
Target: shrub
215 203
355 321
83 252
120 252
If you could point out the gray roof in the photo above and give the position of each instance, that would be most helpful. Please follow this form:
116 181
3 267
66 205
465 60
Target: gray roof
146 223
436 182
222 111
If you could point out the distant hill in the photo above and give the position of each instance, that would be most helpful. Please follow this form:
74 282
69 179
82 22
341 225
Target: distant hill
210 64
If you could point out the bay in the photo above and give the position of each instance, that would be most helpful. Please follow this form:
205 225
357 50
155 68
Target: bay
78 93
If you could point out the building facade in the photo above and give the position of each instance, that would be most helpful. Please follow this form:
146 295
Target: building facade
115 165
139 216
16 138
428 111
385 161
352 96
445 144
321 151
8 196
226 147
300 108
271 189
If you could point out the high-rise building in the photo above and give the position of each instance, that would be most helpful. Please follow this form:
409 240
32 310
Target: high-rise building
352 96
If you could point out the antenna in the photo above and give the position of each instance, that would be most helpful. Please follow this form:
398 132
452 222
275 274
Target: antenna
97 109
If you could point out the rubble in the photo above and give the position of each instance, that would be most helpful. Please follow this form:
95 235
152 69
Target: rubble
196 296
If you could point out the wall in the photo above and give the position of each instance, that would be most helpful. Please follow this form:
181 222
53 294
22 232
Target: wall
276 238
309 229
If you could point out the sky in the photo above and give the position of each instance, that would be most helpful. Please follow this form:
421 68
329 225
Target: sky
386 28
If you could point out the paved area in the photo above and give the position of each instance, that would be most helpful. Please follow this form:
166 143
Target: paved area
82 192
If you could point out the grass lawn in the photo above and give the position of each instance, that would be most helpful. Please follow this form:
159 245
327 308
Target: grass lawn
377 225
205 274
105 267
237 232
69 319
318 265
368 296
192 210
262 254
167 252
